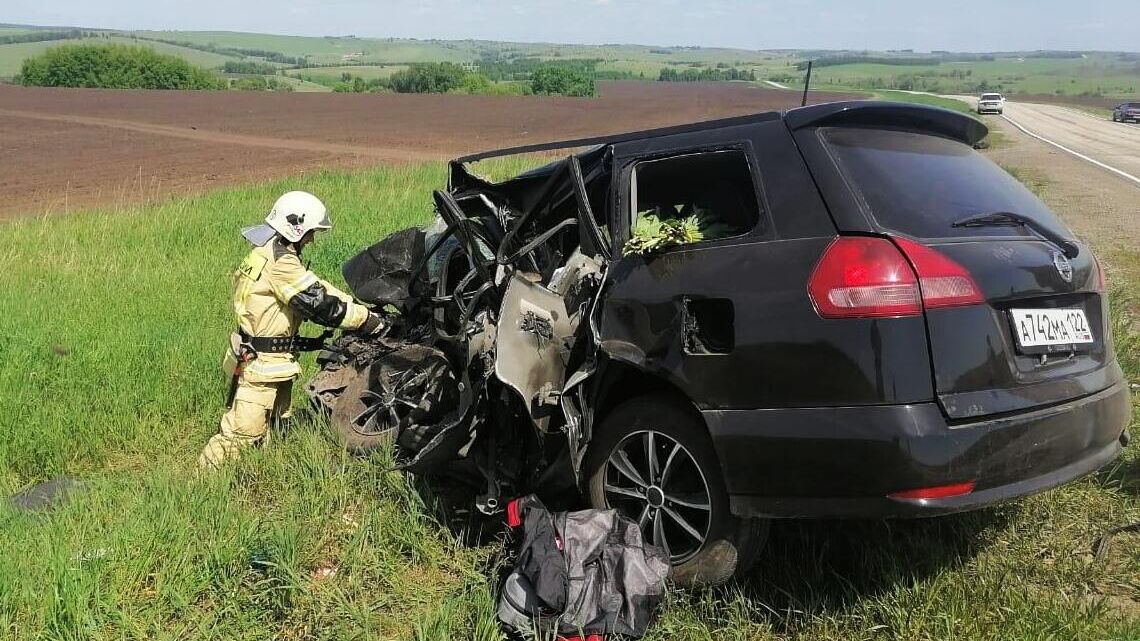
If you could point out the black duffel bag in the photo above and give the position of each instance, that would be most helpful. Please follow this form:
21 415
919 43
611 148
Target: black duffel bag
581 574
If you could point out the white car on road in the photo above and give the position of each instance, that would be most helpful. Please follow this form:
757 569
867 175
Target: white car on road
991 103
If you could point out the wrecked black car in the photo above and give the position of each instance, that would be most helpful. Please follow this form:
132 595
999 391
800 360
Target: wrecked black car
841 310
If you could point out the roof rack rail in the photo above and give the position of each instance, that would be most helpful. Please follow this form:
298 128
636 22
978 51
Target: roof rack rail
613 139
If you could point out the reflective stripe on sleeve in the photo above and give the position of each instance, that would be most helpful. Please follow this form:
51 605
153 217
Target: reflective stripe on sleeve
354 316
291 289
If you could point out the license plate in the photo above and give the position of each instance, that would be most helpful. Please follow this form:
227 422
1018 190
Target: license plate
1050 327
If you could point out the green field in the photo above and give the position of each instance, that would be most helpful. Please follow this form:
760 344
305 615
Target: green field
650 69
302 85
328 50
351 50
368 72
12 56
926 99
325 50
1104 74
111 329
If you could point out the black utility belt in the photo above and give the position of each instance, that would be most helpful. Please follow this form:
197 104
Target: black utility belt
283 344
271 344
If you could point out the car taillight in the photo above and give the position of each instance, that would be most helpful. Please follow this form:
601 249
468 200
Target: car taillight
1101 280
868 277
937 492
864 277
944 283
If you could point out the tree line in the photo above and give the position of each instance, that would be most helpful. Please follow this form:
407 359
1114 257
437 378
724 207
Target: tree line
877 60
448 77
118 66
271 56
521 68
706 74
258 83
249 67
44 36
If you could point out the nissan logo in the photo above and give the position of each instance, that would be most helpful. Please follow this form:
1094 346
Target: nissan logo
1064 267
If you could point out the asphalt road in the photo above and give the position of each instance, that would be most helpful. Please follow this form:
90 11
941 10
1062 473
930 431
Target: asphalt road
1114 144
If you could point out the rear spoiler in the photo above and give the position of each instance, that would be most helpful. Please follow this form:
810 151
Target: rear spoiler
922 118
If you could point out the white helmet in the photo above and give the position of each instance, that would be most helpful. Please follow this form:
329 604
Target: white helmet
296 214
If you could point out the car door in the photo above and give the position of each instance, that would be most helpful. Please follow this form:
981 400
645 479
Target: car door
727 319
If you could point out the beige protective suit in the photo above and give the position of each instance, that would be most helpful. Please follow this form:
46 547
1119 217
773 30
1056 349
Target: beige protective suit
273 293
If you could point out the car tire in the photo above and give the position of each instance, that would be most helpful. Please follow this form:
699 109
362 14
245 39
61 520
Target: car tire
669 506
353 437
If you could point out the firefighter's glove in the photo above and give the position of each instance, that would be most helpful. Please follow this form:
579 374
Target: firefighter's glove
374 326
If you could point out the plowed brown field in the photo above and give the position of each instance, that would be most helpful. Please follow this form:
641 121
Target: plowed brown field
66 148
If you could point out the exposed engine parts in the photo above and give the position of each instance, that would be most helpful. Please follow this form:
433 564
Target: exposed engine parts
490 335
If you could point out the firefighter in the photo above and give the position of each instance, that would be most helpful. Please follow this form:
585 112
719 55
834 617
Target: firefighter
273 292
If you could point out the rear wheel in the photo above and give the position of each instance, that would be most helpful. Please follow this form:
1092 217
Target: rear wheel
653 461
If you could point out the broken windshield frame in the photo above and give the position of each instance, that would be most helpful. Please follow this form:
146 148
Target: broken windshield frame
586 219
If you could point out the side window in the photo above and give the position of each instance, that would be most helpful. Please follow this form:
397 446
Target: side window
714 190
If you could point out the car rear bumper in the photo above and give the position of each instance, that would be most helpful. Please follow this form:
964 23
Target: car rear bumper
846 461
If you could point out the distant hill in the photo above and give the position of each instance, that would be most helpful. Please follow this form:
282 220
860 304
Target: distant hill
1063 74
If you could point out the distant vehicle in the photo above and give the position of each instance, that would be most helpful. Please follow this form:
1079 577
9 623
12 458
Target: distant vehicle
1126 111
991 103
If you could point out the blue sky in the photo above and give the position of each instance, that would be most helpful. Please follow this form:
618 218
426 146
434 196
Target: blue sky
960 25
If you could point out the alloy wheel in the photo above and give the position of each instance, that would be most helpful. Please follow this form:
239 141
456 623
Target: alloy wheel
654 480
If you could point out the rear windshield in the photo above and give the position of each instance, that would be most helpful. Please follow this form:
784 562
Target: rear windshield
919 184
1131 105
991 96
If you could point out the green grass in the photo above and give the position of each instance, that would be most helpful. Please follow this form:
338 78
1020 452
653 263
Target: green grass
1094 111
123 387
12 56
925 99
1036 181
111 328
368 72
